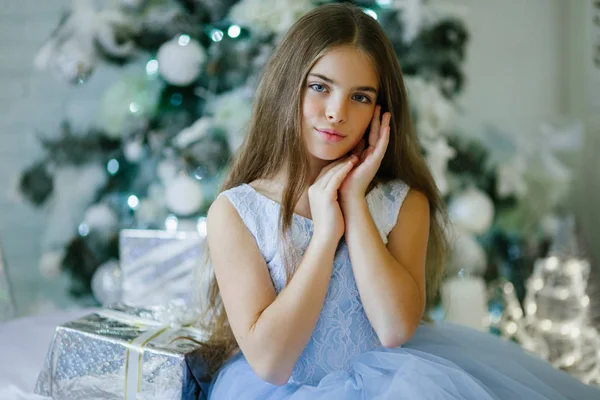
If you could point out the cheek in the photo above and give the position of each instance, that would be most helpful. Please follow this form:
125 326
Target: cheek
363 120
311 107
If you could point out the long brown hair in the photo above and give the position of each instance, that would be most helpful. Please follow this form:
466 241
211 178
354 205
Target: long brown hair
274 139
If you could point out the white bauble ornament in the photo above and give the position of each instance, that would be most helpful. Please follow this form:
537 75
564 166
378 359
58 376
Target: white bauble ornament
184 195
472 211
180 60
128 104
106 283
100 217
466 254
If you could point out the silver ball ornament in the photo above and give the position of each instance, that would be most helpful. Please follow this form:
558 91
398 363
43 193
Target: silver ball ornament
106 283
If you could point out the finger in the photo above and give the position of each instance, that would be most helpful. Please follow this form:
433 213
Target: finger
336 180
330 166
375 124
382 143
385 121
323 180
385 126
334 172
375 154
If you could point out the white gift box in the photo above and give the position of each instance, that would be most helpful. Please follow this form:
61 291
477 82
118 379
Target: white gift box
159 266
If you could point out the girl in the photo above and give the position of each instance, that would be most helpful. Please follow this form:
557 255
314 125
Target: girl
320 240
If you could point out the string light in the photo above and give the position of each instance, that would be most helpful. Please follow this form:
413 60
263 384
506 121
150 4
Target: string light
83 229
171 223
133 202
201 226
134 107
152 67
176 99
183 40
234 31
112 166
216 35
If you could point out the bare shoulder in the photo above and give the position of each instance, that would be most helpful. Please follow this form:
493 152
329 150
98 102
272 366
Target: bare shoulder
221 215
409 237
221 210
416 204
225 229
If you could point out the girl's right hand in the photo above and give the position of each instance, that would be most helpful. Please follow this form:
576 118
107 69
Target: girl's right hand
328 221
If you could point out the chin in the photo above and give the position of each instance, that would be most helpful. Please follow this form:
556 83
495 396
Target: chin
327 154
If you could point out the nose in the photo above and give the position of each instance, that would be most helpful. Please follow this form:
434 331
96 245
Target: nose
336 111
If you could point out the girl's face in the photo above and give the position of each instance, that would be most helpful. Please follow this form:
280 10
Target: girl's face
339 101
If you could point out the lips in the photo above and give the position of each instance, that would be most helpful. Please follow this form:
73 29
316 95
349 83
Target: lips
330 135
331 132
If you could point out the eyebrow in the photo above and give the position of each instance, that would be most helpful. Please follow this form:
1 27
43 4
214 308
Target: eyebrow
361 88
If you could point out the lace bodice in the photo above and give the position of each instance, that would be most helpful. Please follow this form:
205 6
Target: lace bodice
343 330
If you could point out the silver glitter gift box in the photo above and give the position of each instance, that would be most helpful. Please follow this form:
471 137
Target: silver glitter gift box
158 266
123 353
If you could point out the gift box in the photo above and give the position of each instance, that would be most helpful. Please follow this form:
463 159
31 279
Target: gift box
7 305
159 266
123 353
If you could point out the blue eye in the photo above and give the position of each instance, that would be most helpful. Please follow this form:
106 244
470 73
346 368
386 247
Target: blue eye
317 87
362 98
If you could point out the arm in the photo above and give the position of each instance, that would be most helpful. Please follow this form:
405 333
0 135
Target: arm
390 280
271 330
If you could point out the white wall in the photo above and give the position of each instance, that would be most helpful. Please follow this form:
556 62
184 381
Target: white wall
525 65
513 66
32 103
29 101
580 87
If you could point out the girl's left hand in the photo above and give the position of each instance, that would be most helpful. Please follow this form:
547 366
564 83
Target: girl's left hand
356 183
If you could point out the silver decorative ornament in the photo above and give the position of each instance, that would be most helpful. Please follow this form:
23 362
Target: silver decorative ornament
106 283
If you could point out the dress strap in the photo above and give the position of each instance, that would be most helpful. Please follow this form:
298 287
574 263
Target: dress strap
247 206
258 215
384 202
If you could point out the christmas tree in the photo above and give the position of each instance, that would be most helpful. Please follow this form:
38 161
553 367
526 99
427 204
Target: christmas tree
166 134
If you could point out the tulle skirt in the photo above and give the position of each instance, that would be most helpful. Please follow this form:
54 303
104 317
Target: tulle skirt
442 361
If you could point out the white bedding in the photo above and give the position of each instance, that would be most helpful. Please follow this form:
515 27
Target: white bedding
23 346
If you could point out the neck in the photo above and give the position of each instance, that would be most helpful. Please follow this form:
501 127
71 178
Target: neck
315 166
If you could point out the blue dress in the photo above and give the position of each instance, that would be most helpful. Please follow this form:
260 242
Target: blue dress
344 358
